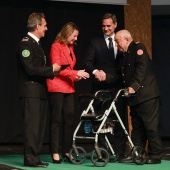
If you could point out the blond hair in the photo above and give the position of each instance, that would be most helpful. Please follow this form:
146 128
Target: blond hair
65 32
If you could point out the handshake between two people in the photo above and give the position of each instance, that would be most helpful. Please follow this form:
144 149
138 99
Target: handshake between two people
100 75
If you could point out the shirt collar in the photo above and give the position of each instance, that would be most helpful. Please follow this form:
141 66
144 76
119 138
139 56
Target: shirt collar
106 37
33 36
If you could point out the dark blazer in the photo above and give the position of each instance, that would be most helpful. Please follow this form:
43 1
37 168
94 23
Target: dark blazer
99 57
32 69
137 72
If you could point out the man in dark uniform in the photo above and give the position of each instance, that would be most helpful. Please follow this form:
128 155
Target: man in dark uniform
33 94
140 80
101 61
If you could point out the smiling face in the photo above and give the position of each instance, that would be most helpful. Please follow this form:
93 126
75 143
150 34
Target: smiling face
37 24
41 29
108 26
73 37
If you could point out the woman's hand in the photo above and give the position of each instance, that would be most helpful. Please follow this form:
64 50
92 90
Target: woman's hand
82 74
78 78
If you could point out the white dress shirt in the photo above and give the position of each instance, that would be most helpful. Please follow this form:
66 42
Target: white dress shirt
107 42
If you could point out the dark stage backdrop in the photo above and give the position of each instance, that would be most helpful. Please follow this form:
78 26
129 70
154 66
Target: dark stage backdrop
161 60
13 19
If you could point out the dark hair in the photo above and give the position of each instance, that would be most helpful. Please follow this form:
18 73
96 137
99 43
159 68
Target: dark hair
33 20
109 15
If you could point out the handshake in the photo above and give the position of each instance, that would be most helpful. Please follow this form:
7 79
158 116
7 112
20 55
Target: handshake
100 75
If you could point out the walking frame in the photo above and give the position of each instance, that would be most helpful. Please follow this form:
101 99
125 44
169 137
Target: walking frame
101 155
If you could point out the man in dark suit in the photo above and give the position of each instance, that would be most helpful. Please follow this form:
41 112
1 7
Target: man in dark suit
140 80
101 61
33 93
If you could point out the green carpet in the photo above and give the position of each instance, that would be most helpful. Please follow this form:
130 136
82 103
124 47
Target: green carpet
15 162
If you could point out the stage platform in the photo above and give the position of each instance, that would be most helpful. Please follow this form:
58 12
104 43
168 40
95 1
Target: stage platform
11 158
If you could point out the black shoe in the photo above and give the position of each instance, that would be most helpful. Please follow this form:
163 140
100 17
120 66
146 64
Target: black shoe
56 161
153 161
66 157
37 164
127 159
29 164
32 161
43 164
120 157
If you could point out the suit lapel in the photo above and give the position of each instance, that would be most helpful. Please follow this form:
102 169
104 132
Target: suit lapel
71 59
38 47
104 47
106 50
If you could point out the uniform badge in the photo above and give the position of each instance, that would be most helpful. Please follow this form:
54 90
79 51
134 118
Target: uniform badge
25 39
25 53
140 52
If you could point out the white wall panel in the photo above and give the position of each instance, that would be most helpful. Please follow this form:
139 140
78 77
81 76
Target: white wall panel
114 2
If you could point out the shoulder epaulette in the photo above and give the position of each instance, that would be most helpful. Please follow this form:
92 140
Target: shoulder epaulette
137 42
25 39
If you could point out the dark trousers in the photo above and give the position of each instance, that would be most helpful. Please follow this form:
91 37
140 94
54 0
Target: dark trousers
145 121
61 120
35 112
120 138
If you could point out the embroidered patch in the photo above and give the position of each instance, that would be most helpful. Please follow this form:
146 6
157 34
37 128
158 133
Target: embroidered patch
25 53
140 52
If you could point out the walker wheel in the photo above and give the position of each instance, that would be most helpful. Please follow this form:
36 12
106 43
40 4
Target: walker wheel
77 158
100 162
139 155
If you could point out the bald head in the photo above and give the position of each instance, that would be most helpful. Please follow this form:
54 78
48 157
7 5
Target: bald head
124 34
123 38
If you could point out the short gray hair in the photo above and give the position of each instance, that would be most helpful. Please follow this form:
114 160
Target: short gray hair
33 20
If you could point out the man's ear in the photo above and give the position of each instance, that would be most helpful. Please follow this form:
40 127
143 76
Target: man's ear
115 24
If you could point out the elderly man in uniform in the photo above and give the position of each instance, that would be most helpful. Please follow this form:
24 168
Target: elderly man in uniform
33 93
139 79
